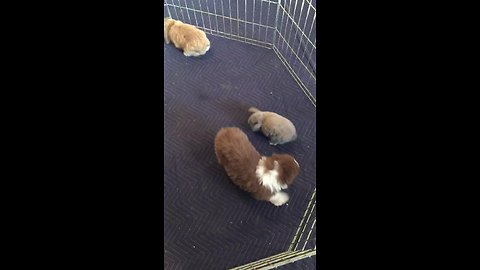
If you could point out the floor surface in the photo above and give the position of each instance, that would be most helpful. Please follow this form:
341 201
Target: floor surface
208 222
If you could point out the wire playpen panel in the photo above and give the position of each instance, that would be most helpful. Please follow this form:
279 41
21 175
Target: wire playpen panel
295 42
286 26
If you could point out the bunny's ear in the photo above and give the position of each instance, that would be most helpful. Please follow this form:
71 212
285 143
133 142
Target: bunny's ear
166 29
256 127
165 36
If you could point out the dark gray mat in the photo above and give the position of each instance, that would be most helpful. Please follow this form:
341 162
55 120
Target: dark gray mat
208 222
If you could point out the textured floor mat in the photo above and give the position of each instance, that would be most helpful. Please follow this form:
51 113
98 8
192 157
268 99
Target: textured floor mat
294 44
208 222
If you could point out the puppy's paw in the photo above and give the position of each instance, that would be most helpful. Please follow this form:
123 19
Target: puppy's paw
272 143
279 199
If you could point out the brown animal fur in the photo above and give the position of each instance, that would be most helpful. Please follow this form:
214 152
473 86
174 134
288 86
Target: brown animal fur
240 160
191 40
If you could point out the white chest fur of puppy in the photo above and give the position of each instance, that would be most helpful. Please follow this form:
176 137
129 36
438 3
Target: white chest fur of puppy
191 40
279 129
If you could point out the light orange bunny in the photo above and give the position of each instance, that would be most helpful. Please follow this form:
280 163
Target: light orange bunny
191 40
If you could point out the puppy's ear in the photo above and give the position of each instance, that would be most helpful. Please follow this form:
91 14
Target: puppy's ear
289 169
276 165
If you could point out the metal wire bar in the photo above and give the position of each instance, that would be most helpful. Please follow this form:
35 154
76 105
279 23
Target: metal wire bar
303 222
295 77
212 14
295 43
208 10
239 38
168 10
309 233
288 28
277 260
188 14
293 52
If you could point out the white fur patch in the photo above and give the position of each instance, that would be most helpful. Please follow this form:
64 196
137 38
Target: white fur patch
188 54
257 127
279 199
296 162
268 178
191 54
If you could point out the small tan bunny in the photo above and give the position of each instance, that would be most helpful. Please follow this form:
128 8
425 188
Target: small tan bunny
279 129
191 40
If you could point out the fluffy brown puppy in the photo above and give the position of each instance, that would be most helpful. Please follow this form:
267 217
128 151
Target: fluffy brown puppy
279 129
191 40
263 177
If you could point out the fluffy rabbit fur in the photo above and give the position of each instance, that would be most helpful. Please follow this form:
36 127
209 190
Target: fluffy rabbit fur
263 177
279 129
190 39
